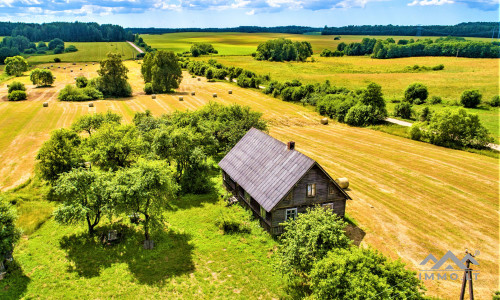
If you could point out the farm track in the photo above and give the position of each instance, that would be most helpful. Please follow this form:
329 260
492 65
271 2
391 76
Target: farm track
411 198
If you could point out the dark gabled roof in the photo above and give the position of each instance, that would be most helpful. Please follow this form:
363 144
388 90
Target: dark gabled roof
265 168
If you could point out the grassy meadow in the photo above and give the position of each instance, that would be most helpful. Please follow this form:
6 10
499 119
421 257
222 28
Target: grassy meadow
90 51
192 258
410 197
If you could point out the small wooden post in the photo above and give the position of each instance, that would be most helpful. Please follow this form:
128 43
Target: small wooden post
467 277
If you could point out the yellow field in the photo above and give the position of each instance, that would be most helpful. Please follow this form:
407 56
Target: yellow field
411 198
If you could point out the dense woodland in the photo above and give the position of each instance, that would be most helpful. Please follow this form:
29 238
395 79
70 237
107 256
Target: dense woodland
246 29
68 32
469 29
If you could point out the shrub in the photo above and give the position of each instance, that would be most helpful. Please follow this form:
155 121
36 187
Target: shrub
495 101
41 77
57 59
415 132
403 110
10 234
17 95
436 100
71 48
16 86
438 67
59 50
29 51
81 81
470 98
425 114
72 93
148 88
416 91
361 115
92 93
418 101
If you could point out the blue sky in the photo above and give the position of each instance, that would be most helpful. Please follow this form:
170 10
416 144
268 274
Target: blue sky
230 13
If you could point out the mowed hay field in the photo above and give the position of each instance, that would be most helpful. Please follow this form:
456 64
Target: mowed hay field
91 51
411 198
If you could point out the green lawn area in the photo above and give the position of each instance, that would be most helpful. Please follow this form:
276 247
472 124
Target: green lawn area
92 51
192 259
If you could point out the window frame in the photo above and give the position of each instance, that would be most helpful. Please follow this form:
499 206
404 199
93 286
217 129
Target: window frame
313 190
295 213
331 189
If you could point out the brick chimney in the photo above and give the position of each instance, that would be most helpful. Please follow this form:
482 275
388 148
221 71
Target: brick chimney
290 145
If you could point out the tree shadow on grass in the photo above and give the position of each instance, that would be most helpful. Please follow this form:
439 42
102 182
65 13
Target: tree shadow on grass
355 233
15 283
172 255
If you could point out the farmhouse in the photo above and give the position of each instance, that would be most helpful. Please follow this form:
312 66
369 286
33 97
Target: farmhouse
277 182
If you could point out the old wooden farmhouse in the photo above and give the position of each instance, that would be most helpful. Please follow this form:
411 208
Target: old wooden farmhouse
277 182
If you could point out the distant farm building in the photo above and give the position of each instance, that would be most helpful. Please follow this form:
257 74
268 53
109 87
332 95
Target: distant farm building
277 182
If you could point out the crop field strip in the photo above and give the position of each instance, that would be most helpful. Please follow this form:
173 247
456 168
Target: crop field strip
424 197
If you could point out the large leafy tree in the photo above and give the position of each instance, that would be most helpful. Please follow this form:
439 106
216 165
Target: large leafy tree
363 274
307 240
9 233
92 122
145 188
41 77
162 69
86 197
59 154
16 65
114 146
113 77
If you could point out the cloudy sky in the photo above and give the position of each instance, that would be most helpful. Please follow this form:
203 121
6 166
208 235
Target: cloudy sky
229 13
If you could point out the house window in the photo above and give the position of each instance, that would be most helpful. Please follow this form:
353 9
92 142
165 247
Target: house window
311 190
262 212
331 189
291 213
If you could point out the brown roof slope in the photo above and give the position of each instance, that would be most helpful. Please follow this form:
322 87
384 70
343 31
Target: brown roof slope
264 167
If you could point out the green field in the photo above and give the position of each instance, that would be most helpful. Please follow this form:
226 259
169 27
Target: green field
92 51
192 259
230 43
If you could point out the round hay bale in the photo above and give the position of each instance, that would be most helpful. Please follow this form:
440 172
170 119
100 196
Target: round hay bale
45 104
81 69
214 95
92 63
153 96
91 104
58 67
8 85
54 77
181 98
51 66
64 68
193 93
74 64
71 71
229 92
324 121
343 182
86 65
199 79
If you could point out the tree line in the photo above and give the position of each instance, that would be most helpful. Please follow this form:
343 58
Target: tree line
469 29
245 29
445 46
67 31
283 50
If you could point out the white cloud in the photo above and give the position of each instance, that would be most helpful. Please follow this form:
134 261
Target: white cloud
430 2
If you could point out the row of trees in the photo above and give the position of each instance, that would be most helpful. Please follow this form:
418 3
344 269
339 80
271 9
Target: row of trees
9 233
101 167
198 49
67 31
246 29
12 46
318 261
283 50
472 29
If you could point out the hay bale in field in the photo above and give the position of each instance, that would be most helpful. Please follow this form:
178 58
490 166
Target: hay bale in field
58 67
92 63
214 95
229 92
199 79
74 64
193 93
81 69
324 121
181 98
51 66
45 104
71 71
153 96
343 182
64 68
85 64
91 104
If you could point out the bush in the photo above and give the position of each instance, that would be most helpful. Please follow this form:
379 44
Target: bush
495 101
29 51
438 67
59 50
71 48
41 77
436 100
425 114
415 132
57 59
17 95
148 88
361 115
81 81
403 110
16 86
416 91
471 98
72 93
10 234
418 101
92 93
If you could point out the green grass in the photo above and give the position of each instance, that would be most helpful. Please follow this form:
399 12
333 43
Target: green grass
192 259
92 51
